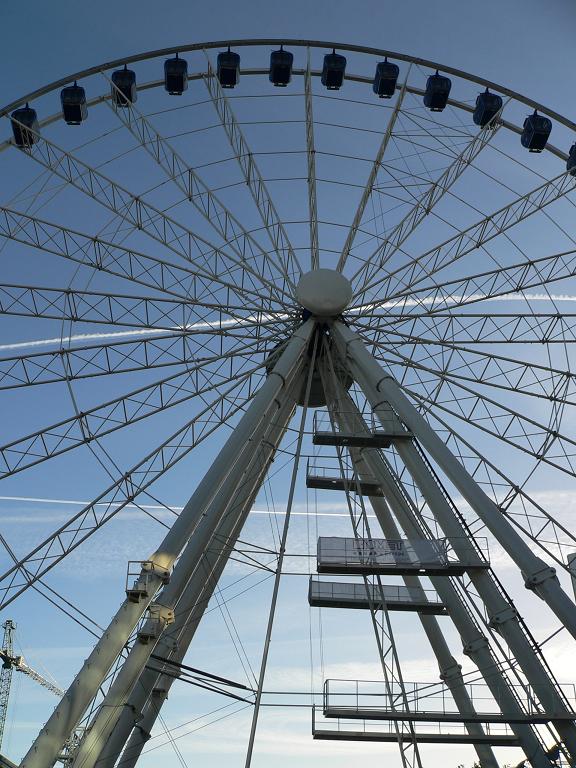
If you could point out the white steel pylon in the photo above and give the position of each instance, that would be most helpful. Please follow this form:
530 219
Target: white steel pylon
406 519
220 481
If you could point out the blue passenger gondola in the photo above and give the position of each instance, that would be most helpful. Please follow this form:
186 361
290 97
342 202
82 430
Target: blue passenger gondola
281 67
437 92
536 131
385 79
175 76
571 162
487 107
228 68
25 126
73 100
333 71
124 87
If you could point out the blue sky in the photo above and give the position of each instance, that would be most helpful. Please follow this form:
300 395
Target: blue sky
527 46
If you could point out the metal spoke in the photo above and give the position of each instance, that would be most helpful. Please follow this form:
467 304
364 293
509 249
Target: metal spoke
104 308
147 351
202 198
103 255
543 443
376 168
212 263
478 328
506 373
266 208
123 492
311 159
106 418
424 205
406 278
501 281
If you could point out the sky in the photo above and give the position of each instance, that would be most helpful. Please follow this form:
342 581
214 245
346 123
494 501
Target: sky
527 46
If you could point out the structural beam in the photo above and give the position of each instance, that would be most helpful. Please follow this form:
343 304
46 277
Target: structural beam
152 688
204 200
426 203
245 157
311 160
203 570
156 570
369 186
475 644
382 391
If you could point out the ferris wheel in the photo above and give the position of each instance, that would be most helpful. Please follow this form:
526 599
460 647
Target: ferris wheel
358 265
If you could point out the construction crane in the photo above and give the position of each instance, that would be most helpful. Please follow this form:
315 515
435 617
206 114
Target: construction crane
10 662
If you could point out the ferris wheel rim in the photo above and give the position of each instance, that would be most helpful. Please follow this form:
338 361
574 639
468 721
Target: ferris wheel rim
296 42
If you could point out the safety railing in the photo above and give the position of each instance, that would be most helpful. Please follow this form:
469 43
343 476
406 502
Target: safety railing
434 702
360 594
338 554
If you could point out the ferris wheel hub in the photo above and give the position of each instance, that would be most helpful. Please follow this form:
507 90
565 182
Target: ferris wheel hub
324 292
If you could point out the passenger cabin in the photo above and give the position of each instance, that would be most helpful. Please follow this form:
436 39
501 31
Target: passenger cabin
385 79
571 162
25 126
281 67
228 69
537 129
124 87
333 71
437 92
73 100
175 76
487 107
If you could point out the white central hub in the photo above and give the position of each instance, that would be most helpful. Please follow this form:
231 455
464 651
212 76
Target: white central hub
324 292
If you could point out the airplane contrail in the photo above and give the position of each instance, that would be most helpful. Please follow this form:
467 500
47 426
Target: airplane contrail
239 323
136 333
154 507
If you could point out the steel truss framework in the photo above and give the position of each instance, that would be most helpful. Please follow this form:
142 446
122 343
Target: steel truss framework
155 251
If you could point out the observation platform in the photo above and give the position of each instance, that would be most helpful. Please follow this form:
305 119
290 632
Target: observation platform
328 477
369 700
339 594
358 434
340 730
393 557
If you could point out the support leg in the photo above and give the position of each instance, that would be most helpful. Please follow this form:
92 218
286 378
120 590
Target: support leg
72 707
186 577
538 575
152 688
503 615
475 644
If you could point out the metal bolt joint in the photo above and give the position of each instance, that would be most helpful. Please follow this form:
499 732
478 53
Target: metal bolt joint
536 578
475 645
452 671
143 732
501 617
